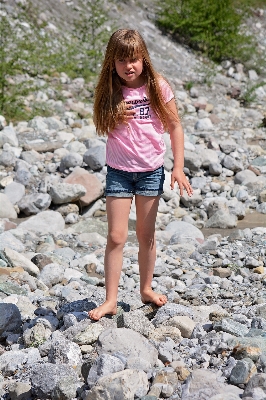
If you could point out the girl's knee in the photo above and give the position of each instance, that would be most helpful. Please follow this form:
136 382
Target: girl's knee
117 238
145 237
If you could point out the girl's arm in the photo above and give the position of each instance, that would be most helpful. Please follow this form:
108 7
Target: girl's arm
177 142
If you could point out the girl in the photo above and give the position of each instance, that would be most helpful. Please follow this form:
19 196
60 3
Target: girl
134 106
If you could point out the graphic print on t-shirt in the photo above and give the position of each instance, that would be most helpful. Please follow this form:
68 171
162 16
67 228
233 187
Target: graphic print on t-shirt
141 108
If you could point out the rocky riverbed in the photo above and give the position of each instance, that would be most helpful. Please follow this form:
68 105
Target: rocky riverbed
209 340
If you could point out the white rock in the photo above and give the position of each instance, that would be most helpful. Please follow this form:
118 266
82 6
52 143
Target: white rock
7 209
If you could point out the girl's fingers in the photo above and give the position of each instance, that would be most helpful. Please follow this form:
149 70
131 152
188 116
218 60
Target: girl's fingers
129 114
182 182
182 186
189 190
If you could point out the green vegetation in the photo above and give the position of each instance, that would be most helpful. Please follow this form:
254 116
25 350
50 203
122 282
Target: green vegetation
249 95
92 34
209 26
188 85
29 51
23 50
12 51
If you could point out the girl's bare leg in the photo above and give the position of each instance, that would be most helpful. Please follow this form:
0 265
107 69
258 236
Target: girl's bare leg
117 216
146 208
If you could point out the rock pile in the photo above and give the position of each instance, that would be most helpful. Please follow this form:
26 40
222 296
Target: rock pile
208 341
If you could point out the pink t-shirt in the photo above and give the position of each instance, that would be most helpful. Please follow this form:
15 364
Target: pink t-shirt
138 145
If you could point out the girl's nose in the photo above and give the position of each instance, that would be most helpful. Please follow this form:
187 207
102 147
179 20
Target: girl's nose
128 64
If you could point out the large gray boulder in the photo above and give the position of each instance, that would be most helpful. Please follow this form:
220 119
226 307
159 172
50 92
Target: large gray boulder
222 219
71 160
53 381
128 342
180 230
106 364
14 191
65 192
45 222
244 176
127 385
95 157
205 384
51 274
34 203
14 360
191 162
232 163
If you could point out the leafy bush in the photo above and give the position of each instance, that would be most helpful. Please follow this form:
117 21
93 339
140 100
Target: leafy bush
210 26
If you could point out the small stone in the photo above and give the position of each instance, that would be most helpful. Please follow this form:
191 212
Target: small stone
182 373
251 352
222 272
218 315
90 335
259 270
86 348
165 377
184 324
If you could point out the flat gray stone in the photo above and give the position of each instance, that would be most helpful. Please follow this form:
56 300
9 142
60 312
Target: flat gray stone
230 326
19 260
7 239
10 288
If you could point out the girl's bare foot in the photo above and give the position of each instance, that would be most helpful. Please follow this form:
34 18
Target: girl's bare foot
102 310
149 296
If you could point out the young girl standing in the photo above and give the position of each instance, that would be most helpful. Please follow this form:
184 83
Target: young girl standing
134 106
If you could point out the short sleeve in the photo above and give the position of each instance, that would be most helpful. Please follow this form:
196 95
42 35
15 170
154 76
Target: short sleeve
166 90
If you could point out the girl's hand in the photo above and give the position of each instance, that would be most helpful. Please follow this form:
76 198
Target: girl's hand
129 113
179 177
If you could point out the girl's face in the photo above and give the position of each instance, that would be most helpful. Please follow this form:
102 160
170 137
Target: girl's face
130 71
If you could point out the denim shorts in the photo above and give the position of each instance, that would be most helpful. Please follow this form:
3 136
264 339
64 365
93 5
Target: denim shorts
126 184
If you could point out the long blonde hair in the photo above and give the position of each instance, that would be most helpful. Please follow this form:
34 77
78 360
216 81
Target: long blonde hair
109 105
